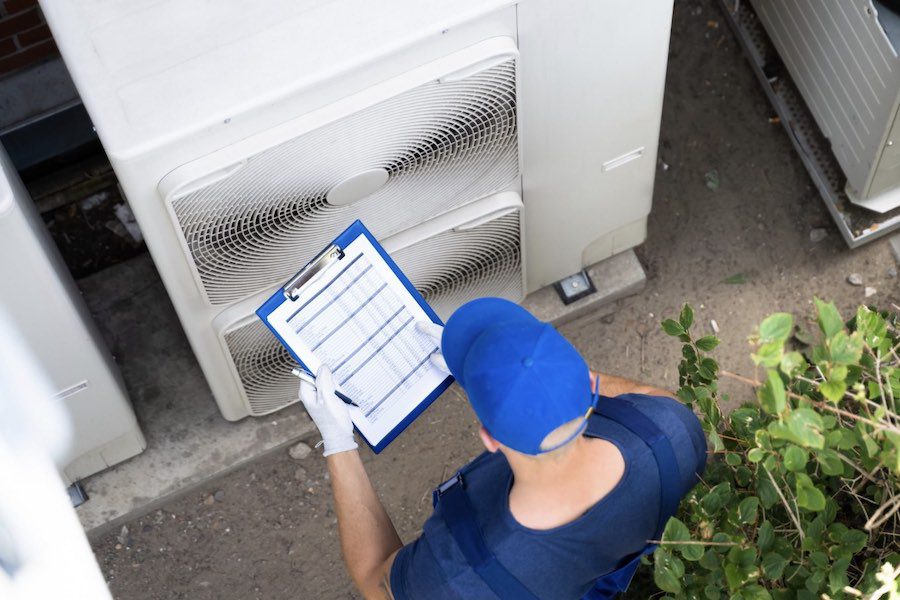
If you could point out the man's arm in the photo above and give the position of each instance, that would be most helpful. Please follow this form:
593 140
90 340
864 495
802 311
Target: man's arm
611 386
369 541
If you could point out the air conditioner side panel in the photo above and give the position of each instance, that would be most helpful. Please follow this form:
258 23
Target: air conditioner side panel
847 71
591 82
41 299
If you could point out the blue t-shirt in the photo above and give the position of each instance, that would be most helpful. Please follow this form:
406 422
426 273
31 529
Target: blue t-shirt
563 562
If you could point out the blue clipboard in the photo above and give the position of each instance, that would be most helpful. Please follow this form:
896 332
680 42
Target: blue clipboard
328 255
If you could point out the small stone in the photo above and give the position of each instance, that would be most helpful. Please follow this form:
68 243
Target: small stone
299 451
892 272
146 529
817 235
300 474
712 179
714 325
209 500
854 279
122 538
219 495
608 319
870 291
118 546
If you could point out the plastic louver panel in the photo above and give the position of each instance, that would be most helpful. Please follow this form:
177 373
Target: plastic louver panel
459 265
442 144
448 269
264 367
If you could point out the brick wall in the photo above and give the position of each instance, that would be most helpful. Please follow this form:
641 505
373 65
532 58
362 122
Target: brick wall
24 37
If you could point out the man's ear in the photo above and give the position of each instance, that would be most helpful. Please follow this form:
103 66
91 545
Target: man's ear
488 440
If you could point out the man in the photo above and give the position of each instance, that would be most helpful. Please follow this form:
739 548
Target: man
564 501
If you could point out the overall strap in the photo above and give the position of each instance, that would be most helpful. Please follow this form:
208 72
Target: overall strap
458 514
626 415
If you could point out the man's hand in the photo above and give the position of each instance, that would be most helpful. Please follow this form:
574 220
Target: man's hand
434 332
328 412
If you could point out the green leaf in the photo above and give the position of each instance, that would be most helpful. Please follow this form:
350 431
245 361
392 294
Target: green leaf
754 591
772 395
712 592
733 459
755 455
792 363
707 342
830 462
830 321
773 565
766 491
871 326
776 327
747 510
676 531
710 560
734 576
667 571
808 496
686 318
666 580
672 327
795 458
837 575
736 279
769 354
845 349
765 536
801 426
833 390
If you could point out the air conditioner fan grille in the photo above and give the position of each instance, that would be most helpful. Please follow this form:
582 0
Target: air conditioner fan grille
442 144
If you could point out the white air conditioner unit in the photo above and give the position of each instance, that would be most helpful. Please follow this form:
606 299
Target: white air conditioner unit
843 57
40 297
247 137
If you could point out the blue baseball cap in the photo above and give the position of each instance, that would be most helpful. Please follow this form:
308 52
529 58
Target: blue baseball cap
522 377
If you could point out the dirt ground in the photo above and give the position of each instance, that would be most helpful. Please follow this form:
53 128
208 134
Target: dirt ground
268 530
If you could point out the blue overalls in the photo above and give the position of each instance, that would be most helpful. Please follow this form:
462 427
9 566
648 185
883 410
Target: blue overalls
458 513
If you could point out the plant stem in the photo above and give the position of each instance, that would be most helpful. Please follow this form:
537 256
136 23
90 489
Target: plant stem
787 505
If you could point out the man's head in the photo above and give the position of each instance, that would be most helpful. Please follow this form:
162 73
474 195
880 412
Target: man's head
528 385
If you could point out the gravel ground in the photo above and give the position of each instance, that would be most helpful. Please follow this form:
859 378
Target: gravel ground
268 530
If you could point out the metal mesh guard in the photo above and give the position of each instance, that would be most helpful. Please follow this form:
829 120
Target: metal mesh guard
448 269
442 144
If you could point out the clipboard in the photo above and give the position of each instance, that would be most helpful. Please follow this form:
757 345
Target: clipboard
330 260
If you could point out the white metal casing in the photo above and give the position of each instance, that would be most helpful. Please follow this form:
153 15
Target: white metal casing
39 295
178 90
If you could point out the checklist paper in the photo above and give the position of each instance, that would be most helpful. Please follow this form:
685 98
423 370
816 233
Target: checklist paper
358 318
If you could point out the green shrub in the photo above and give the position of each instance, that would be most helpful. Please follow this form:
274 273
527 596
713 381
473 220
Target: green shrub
800 498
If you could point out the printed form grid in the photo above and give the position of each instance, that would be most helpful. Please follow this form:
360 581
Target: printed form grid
359 327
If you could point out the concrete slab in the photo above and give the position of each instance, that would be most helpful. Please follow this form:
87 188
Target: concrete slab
616 277
188 441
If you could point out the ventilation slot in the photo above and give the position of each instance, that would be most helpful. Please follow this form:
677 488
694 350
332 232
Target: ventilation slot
264 367
454 267
442 145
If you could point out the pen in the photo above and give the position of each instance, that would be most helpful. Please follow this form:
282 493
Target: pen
308 378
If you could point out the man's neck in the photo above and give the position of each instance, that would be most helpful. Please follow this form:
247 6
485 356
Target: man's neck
555 490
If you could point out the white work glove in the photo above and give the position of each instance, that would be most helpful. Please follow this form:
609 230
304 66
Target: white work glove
328 412
434 333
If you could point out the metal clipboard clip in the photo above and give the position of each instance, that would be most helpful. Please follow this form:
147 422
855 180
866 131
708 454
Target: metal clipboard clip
322 261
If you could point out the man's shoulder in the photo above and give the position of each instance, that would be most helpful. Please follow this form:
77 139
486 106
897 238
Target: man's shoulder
671 416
